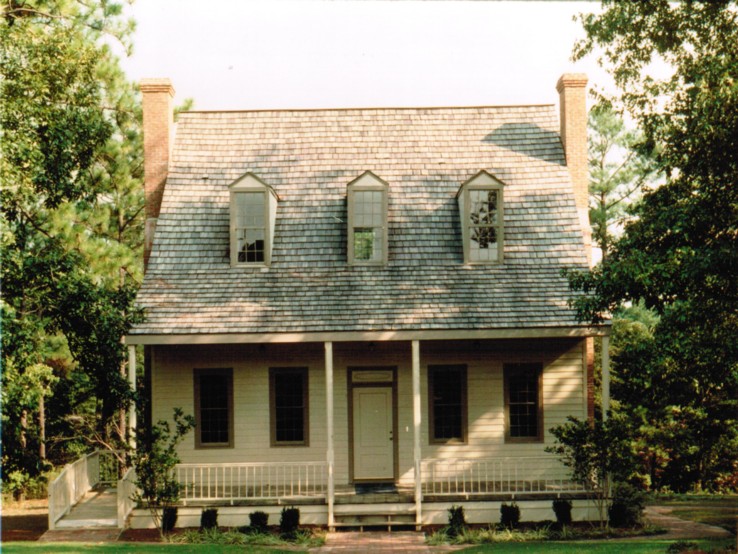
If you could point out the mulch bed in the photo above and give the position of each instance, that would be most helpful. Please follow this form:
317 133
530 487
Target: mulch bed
140 535
24 527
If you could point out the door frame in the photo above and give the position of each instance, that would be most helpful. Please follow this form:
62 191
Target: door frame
395 436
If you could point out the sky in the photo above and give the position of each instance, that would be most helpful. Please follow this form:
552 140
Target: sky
243 55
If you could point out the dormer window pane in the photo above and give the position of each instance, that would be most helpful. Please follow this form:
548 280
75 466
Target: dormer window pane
481 214
250 226
483 225
367 218
253 212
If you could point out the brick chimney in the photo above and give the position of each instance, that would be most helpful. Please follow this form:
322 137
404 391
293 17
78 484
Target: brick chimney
572 89
158 137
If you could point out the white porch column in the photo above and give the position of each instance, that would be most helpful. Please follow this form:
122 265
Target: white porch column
416 431
330 453
605 376
132 408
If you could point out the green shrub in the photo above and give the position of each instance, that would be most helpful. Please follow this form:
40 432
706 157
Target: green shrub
562 509
456 521
682 546
168 519
627 506
289 521
259 521
509 515
209 519
19 485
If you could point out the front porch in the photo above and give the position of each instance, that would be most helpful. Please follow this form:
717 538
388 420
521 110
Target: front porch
479 485
431 418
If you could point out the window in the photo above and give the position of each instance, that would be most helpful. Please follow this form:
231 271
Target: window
213 408
367 220
523 402
288 399
480 209
253 213
447 403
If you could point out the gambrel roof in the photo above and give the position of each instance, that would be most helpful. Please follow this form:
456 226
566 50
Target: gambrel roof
308 157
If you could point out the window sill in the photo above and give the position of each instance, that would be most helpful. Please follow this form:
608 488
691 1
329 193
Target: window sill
217 446
523 440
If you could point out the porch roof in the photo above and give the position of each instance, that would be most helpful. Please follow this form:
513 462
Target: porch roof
308 158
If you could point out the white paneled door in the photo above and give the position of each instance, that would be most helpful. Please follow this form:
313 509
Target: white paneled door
373 429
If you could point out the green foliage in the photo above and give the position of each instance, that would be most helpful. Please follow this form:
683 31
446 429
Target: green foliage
617 172
289 522
509 515
627 506
305 539
259 521
456 521
538 532
71 228
562 509
595 453
17 484
154 459
679 254
209 519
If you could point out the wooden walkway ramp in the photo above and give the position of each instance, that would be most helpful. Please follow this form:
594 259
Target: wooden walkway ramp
97 508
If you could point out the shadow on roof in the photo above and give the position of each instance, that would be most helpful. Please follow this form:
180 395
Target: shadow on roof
530 140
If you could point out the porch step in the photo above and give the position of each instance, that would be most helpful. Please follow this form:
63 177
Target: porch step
386 516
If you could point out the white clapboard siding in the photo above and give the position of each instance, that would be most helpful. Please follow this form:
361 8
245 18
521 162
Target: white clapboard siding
563 392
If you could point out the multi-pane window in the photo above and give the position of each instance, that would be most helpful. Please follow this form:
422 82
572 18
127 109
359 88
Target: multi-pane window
213 408
251 224
289 406
368 225
367 216
480 209
483 223
447 403
523 402
253 214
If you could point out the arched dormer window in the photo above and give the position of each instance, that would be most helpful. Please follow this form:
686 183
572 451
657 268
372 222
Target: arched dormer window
253 212
480 210
367 220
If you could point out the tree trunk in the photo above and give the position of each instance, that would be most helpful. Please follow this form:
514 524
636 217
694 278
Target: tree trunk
23 429
41 427
122 412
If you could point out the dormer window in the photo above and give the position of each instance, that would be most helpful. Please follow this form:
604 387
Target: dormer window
367 220
480 209
253 211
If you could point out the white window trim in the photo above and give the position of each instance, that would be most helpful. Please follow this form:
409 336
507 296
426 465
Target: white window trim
481 181
251 183
367 181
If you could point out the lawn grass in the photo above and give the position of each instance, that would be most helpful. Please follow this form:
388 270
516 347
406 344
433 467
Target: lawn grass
718 510
142 548
596 547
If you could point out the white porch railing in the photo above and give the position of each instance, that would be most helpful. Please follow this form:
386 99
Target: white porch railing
76 479
251 481
126 490
472 477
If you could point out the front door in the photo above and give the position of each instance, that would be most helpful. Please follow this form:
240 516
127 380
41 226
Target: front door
373 430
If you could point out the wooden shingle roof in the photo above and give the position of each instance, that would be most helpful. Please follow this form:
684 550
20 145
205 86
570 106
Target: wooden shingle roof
308 158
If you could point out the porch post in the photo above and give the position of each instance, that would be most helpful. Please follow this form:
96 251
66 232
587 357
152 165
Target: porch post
416 431
330 454
132 408
605 376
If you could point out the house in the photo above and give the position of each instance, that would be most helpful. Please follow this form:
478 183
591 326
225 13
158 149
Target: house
364 308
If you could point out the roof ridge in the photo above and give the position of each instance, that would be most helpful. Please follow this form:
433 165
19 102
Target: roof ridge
375 108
